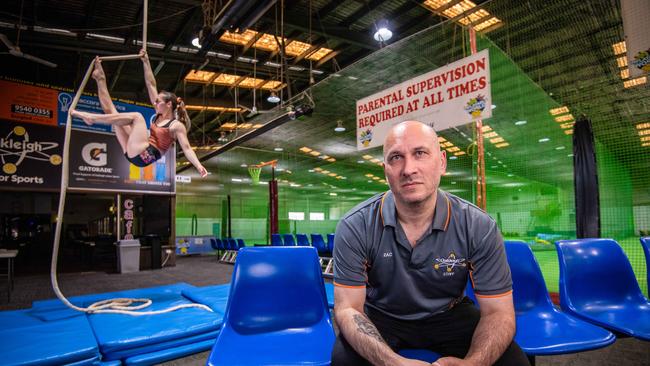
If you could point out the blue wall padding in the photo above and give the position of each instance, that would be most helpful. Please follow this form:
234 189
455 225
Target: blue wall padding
169 354
215 297
25 339
329 291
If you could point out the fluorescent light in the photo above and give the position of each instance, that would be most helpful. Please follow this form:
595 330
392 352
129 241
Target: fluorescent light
520 123
196 43
278 149
272 64
560 148
544 139
453 157
236 179
333 194
244 166
361 161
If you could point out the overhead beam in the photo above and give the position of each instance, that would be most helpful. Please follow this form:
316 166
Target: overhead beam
330 31
363 10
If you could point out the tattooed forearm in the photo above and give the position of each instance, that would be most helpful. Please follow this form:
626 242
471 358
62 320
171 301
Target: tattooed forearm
365 326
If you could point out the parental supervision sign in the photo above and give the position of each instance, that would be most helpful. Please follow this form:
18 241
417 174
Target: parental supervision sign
449 96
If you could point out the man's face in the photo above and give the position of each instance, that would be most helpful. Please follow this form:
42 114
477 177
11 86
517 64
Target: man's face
413 162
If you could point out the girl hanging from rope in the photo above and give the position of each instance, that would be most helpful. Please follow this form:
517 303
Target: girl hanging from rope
171 122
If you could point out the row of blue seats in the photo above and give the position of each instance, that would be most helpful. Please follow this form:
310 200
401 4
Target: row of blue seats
317 241
600 297
227 244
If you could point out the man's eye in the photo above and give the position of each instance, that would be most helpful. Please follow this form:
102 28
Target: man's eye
395 157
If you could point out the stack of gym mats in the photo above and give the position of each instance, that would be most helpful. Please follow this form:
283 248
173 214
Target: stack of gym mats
51 334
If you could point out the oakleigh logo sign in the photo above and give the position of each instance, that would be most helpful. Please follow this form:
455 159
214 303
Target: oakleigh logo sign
453 95
22 153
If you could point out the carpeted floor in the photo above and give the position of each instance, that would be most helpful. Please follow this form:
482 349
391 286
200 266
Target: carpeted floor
205 270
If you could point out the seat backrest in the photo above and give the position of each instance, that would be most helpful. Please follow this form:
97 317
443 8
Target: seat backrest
318 243
276 240
645 243
232 244
288 240
330 242
276 288
240 243
302 240
595 272
528 286
214 244
220 244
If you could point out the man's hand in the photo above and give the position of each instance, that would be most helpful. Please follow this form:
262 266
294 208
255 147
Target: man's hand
410 362
452 361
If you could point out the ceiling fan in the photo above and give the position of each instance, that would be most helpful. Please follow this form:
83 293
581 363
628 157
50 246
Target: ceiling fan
15 51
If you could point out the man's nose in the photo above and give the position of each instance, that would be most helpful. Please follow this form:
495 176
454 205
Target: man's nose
409 167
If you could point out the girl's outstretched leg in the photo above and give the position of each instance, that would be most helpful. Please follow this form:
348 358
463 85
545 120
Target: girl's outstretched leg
121 132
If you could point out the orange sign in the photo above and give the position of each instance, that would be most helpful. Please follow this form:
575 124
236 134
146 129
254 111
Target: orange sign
27 103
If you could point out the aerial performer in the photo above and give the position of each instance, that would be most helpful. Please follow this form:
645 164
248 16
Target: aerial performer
142 147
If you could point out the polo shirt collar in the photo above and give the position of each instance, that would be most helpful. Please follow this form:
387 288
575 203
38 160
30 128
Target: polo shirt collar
441 216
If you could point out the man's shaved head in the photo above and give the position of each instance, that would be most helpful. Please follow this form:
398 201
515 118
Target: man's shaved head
413 163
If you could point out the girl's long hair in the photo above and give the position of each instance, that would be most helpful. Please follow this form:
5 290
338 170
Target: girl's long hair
178 108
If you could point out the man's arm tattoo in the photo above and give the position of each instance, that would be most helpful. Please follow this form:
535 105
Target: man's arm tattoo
365 326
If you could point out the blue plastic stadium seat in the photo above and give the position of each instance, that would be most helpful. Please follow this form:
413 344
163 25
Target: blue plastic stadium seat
220 244
232 244
330 242
214 244
240 243
541 328
276 240
277 310
645 242
318 243
288 240
302 240
597 284
419 354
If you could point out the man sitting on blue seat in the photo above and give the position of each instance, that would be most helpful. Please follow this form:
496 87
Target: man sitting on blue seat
401 262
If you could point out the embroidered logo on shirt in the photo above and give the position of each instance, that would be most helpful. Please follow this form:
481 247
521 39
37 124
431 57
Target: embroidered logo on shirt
449 264
388 254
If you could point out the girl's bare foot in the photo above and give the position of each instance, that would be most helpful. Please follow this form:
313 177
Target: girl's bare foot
85 116
98 72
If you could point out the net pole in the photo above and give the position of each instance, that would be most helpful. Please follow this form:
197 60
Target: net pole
480 166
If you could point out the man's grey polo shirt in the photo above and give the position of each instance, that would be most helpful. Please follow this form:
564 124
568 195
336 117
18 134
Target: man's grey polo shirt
411 283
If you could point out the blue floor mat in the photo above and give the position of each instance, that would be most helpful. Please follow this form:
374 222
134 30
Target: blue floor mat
27 339
215 297
117 332
155 358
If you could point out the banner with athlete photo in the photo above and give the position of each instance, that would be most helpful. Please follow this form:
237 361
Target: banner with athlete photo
91 104
452 95
97 163
30 156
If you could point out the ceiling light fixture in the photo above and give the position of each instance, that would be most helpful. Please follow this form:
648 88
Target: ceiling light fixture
195 42
278 148
520 123
339 126
273 98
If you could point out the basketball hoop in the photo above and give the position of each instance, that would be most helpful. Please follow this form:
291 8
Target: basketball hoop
254 171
